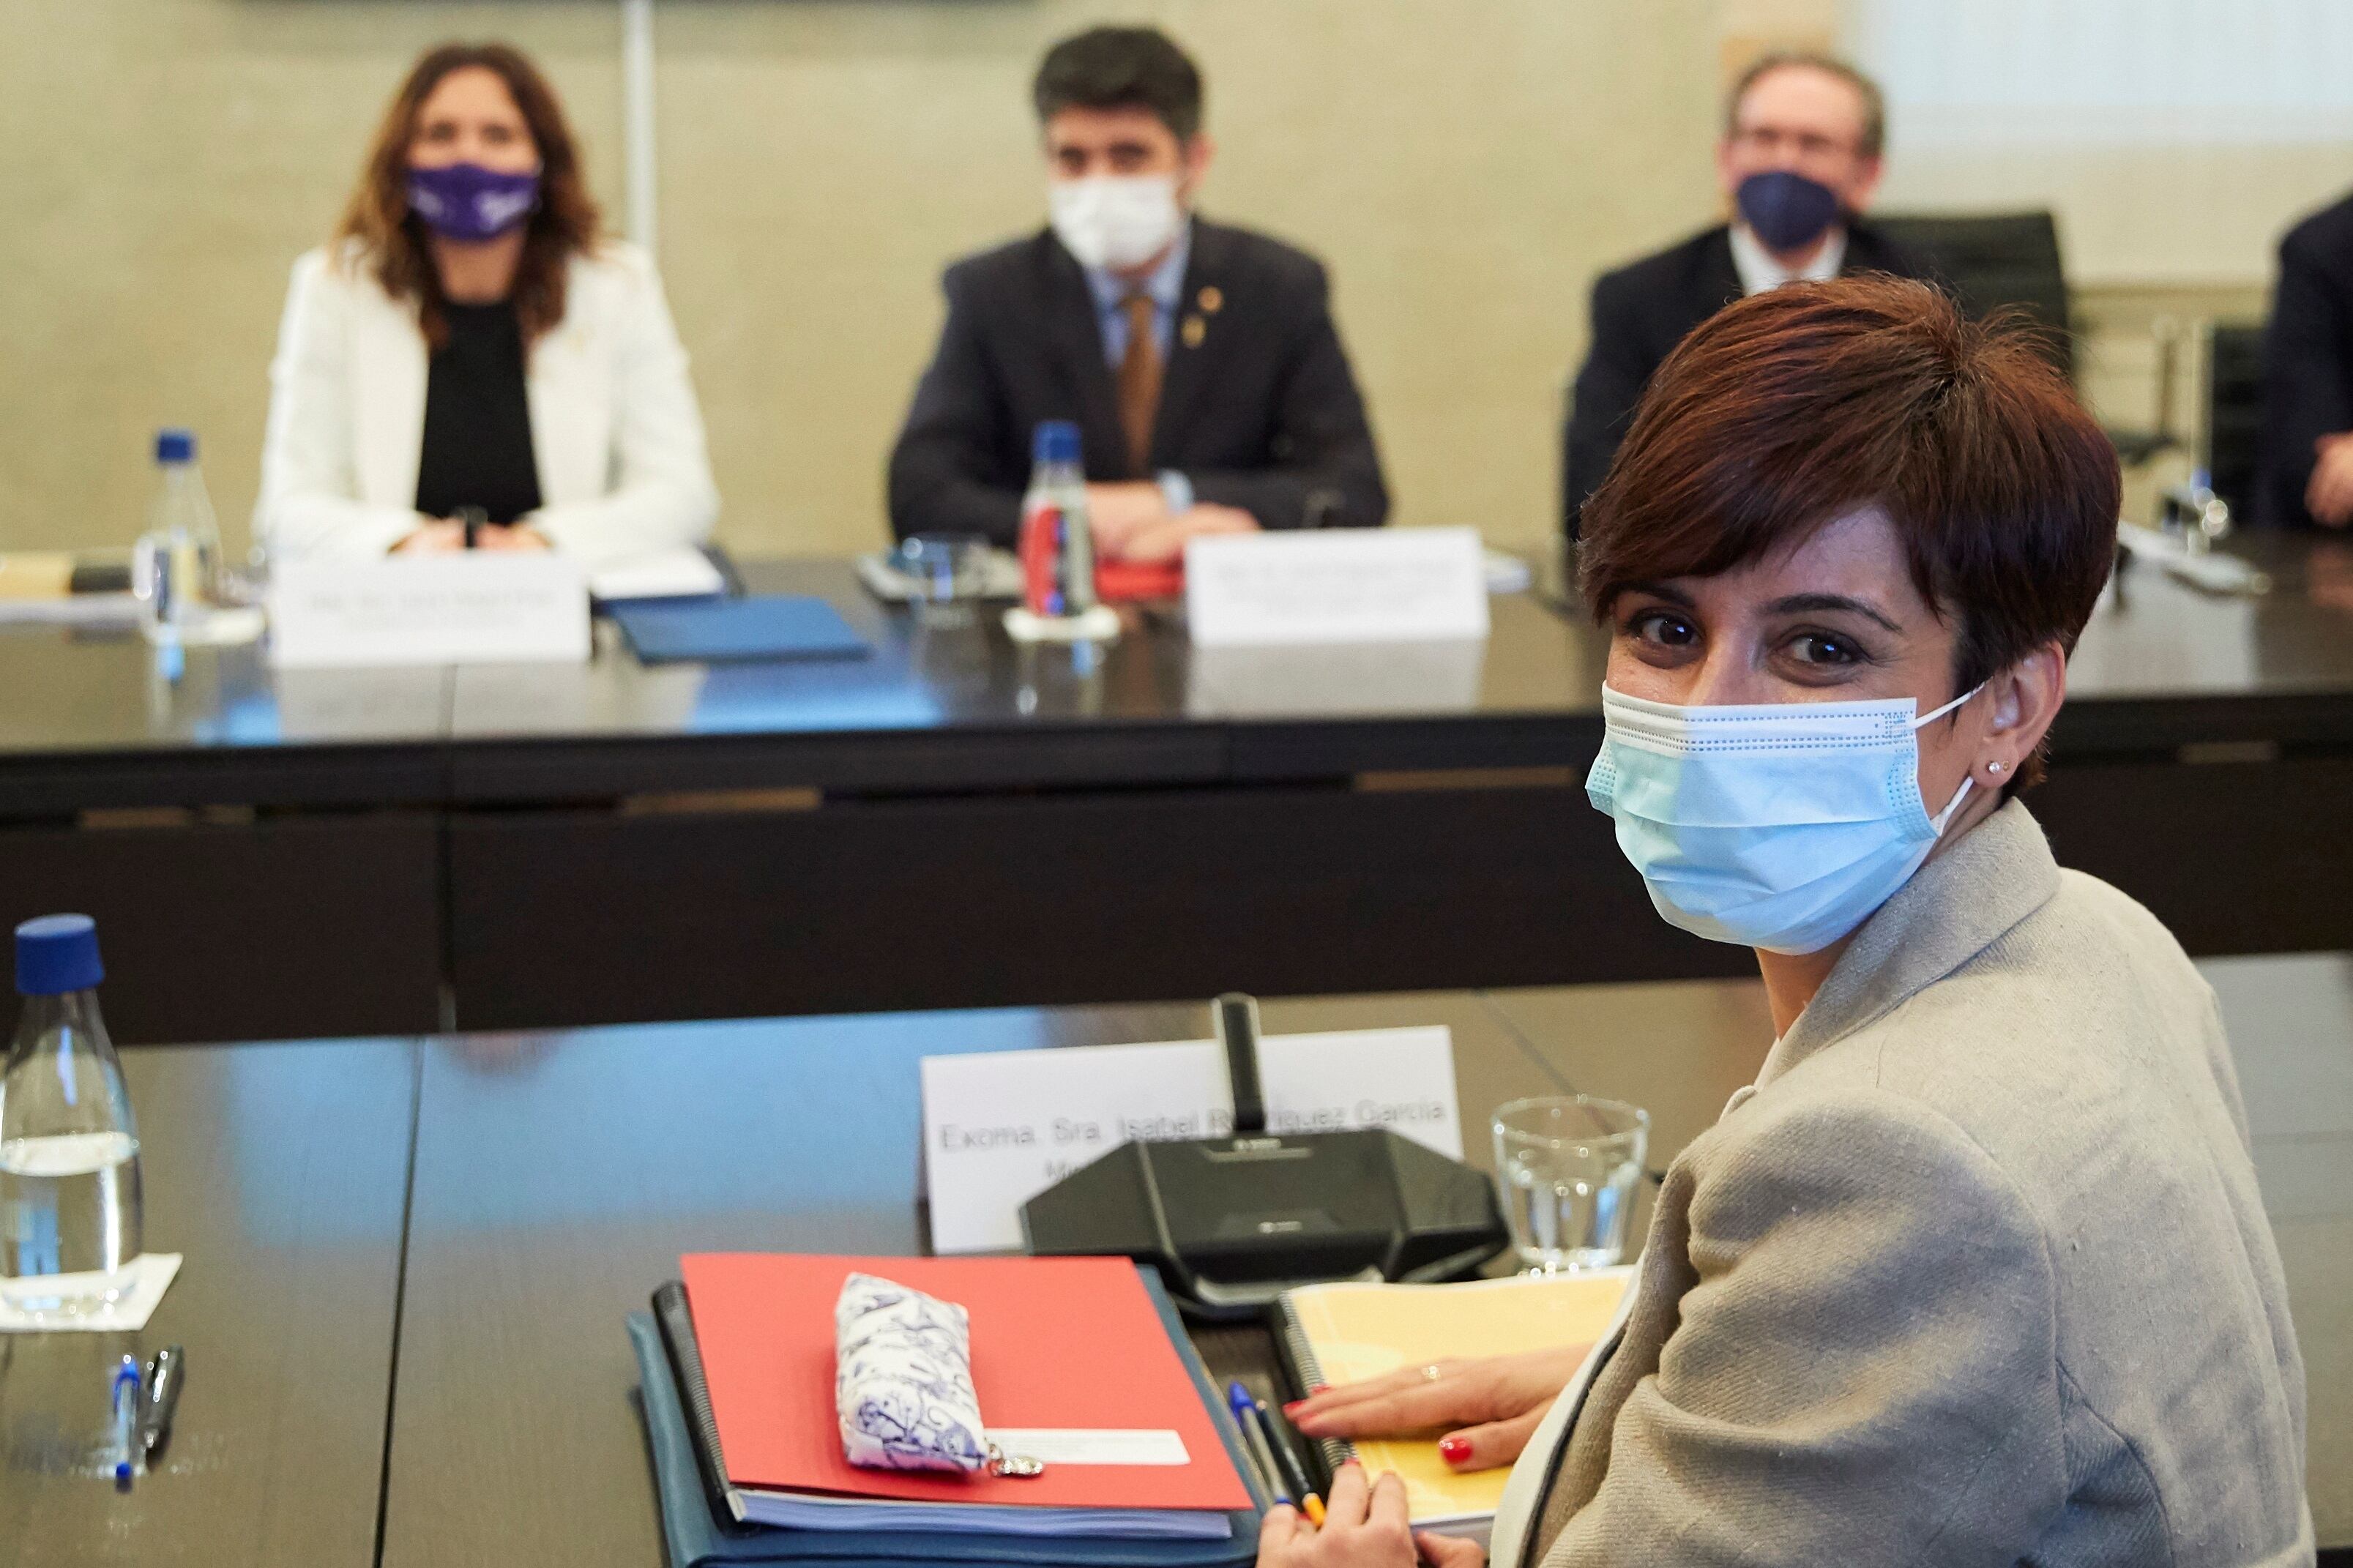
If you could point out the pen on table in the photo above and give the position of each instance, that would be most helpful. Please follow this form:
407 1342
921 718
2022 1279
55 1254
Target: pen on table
1308 1503
123 1394
165 1375
1238 1400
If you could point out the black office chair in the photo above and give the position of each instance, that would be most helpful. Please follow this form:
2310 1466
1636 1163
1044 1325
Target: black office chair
1989 260
2234 413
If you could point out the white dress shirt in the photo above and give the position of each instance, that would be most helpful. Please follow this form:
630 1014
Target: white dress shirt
616 433
1164 284
1759 271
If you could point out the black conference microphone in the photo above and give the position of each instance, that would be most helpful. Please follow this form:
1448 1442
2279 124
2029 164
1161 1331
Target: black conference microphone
1235 1016
1233 1223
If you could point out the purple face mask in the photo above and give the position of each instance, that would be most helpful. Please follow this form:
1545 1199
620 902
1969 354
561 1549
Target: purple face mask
466 201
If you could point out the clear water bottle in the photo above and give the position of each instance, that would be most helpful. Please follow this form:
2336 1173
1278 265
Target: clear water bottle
70 1203
1058 553
176 569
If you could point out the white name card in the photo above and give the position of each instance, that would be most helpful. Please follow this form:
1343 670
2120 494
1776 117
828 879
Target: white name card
1002 1126
1337 586
461 608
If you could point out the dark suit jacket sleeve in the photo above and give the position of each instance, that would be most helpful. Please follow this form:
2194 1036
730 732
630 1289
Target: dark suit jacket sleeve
2307 386
1602 403
944 476
1323 443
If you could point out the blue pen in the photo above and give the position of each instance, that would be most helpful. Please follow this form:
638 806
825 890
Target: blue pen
124 1393
1245 1409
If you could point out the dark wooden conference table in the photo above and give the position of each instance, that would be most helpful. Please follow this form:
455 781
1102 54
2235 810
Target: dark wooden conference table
955 823
408 1260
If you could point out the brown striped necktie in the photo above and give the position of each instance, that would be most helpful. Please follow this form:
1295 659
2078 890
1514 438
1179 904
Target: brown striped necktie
1139 380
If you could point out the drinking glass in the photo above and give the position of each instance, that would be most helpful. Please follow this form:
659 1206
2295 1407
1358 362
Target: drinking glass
948 573
1569 1167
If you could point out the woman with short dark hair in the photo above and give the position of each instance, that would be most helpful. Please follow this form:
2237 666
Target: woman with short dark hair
470 363
1976 1271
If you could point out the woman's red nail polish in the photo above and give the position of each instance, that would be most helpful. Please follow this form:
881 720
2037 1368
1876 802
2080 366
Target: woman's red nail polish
1454 1450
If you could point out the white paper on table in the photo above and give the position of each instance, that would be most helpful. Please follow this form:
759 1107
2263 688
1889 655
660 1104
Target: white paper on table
1507 572
151 1274
684 573
1000 1127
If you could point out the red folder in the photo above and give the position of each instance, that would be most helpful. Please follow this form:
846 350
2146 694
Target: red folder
1055 1342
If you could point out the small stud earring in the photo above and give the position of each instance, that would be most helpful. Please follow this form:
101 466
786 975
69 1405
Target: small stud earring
1995 767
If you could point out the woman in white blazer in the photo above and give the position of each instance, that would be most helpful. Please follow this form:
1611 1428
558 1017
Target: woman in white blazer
468 365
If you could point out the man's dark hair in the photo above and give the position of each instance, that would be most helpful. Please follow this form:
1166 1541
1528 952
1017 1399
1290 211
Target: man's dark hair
1121 68
1792 408
1873 102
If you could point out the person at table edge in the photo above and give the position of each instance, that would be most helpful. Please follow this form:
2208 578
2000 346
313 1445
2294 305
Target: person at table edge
1801 157
470 341
2305 453
1199 360
1976 1271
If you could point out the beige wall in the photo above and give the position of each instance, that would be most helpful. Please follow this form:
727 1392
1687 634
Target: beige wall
167 159
1465 165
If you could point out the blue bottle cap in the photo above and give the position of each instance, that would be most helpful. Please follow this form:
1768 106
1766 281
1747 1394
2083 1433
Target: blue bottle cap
1056 441
175 446
57 953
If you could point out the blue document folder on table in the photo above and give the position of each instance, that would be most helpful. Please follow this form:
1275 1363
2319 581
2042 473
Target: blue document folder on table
720 631
697 1539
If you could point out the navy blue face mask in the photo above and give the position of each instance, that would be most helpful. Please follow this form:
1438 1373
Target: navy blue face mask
1785 210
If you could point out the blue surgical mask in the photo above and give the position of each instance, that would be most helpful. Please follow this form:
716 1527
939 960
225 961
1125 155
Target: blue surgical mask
1780 826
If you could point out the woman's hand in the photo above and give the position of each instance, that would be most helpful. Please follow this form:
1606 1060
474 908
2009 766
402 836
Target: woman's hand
1364 1527
1487 1408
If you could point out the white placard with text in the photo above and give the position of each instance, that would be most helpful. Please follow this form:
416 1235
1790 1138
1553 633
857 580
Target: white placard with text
1335 585
469 607
1000 1127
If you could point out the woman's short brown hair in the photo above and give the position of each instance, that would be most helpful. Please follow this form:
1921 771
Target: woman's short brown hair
1794 407
393 239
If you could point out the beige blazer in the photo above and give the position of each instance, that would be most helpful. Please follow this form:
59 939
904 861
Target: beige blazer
1976 1273
615 429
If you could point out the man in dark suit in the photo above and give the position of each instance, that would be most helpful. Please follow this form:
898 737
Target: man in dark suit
1799 160
1199 361
2305 457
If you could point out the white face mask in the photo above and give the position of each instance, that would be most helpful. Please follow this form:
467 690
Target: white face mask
1115 220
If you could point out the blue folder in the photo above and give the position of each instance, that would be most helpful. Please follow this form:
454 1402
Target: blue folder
697 1539
715 631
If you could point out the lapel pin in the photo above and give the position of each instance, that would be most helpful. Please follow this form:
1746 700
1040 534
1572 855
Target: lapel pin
1212 297
1196 329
